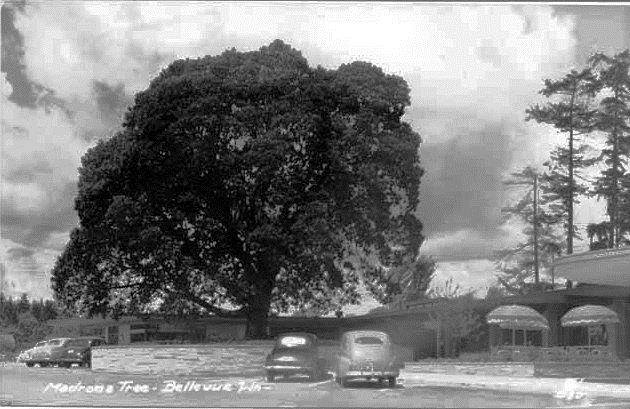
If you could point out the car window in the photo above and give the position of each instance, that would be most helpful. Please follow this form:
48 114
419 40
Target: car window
294 341
368 341
55 342
78 343
41 343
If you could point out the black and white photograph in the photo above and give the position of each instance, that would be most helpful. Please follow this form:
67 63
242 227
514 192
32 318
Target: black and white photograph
315 204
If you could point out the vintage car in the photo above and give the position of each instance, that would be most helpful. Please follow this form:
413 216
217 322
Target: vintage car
294 354
367 355
62 352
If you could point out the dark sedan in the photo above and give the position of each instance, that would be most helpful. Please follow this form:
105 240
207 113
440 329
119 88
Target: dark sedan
294 354
62 352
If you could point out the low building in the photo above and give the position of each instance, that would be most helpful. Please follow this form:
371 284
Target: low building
600 277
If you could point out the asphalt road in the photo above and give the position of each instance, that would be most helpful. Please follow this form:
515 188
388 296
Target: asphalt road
76 386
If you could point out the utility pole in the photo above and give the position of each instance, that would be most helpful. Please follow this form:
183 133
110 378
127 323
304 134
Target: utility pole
536 271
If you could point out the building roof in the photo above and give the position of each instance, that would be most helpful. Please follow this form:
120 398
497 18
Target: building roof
607 267
569 295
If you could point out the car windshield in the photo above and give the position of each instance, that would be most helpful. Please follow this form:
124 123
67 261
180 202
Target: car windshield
294 341
78 343
368 341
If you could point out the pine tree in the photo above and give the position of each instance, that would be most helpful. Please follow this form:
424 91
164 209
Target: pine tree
569 112
613 120
522 263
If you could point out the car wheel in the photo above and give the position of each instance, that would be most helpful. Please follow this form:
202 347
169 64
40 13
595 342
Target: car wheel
339 376
30 364
65 364
392 381
43 364
270 377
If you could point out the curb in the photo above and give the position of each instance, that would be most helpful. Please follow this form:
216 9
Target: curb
567 388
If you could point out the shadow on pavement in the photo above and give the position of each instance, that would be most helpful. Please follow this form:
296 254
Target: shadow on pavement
371 385
301 379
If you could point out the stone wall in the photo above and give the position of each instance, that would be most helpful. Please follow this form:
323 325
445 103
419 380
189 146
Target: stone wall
237 359
486 368
594 370
207 359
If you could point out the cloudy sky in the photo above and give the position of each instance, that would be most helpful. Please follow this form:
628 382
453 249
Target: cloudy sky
70 69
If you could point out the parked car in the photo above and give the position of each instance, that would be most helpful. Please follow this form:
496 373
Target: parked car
62 352
367 355
295 353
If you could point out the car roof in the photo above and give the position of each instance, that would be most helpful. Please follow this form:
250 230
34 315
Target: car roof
365 333
101 338
297 334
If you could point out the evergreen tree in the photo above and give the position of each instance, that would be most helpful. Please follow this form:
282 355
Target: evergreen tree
613 120
24 305
570 112
521 264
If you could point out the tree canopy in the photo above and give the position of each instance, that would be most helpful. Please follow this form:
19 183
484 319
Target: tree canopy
612 79
520 265
570 112
247 182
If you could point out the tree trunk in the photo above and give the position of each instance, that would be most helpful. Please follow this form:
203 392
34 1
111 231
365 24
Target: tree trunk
570 198
258 313
614 228
536 267
571 181
257 323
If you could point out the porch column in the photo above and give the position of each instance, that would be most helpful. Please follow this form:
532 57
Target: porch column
494 336
619 337
553 313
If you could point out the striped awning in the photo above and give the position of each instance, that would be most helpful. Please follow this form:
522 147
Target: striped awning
586 315
517 317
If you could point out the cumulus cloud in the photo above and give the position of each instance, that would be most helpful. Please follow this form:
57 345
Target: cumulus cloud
472 71
40 156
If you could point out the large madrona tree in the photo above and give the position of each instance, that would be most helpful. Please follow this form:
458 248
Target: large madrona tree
246 183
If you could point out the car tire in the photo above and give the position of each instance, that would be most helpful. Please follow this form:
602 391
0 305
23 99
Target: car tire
339 376
43 364
391 381
65 364
30 364
270 377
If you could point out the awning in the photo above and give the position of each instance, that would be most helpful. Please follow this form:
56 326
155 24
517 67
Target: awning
607 267
517 317
588 315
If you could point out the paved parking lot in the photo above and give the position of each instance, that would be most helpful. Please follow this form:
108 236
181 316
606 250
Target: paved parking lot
76 386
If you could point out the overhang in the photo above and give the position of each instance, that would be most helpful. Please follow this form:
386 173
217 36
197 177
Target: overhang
607 267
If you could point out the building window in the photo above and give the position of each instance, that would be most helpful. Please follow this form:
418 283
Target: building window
112 335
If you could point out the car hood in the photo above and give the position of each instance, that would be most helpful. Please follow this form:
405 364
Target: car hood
36 352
